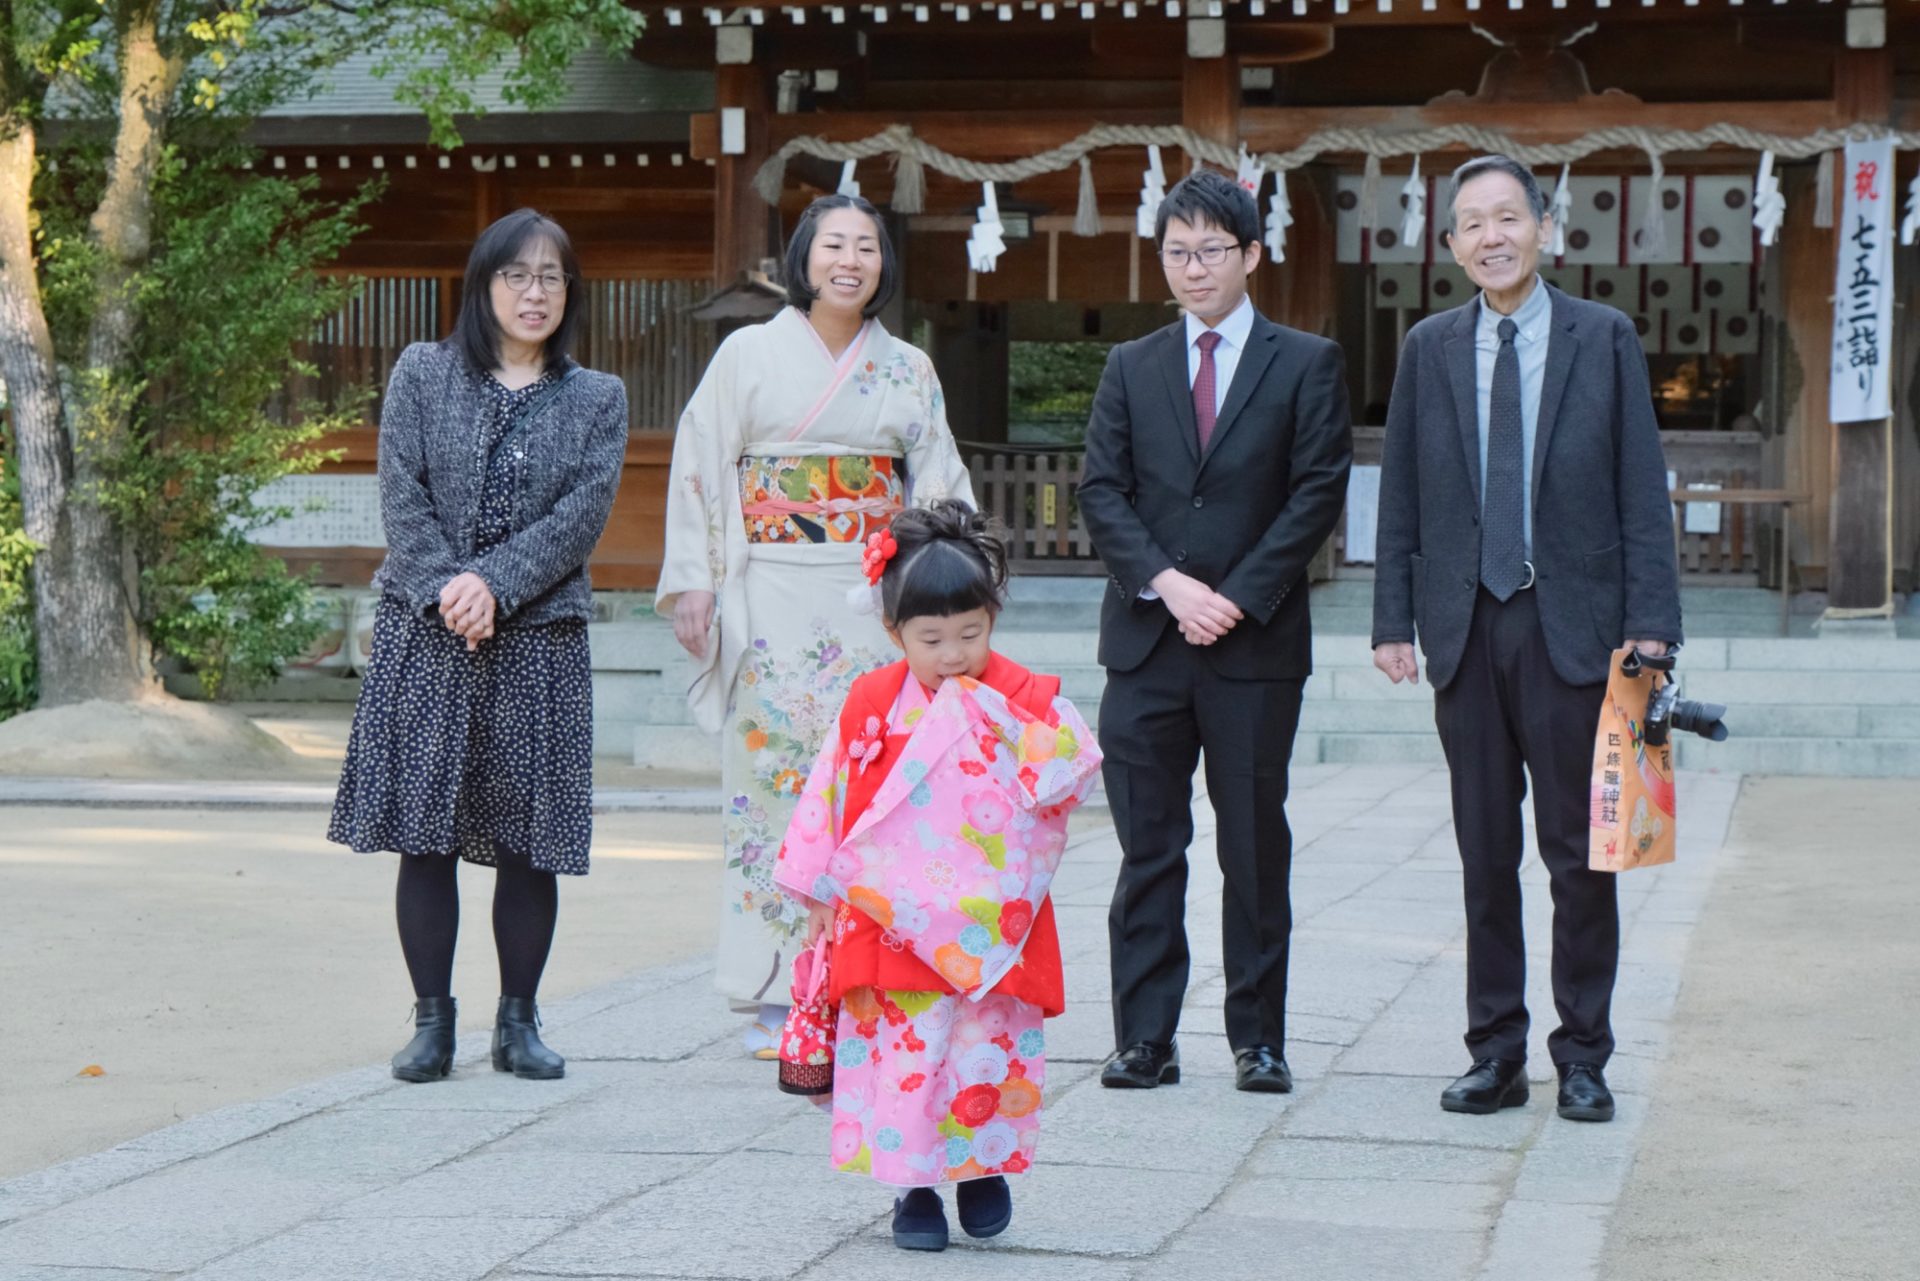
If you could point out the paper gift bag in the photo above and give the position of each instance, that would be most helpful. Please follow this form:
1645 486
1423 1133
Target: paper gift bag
1632 823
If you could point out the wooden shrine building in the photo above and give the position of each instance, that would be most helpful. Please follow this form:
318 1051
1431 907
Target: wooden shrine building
679 173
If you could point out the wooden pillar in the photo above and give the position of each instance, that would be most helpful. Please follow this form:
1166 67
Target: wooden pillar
1807 256
970 347
742 221
1860 567
1210 98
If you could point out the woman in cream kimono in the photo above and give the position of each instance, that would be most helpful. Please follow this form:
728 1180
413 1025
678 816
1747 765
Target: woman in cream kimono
806 434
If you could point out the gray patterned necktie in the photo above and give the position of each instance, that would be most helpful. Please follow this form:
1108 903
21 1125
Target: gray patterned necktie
1502 513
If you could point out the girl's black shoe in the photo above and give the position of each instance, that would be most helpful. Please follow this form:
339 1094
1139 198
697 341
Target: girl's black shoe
920 1220
429 1055
986 1206
516 1043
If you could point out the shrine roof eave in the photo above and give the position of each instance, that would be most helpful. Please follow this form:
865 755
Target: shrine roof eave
556 128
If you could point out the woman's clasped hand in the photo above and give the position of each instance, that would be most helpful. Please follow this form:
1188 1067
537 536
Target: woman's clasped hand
467 606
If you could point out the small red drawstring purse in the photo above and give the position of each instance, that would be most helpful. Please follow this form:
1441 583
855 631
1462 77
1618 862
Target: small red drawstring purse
806 1039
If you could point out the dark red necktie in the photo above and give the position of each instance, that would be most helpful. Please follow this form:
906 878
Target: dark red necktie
1203 392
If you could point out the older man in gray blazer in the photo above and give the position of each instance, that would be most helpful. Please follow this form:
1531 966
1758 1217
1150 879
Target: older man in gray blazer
1524 535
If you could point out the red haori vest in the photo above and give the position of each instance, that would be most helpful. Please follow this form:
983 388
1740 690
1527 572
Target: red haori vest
861 958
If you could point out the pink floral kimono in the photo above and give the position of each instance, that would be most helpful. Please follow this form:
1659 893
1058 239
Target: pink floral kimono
937 825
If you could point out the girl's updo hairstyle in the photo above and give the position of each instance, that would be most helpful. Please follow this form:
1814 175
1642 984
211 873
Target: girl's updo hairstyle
951 561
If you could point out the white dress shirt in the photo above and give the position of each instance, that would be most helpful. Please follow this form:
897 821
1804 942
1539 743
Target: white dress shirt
1234 332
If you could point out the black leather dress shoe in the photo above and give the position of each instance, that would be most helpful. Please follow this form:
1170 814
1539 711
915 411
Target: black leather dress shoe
1258 1070
1142 1066
1584 1095
1491 1084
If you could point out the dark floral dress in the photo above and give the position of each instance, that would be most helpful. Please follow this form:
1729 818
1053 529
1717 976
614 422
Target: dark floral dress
479 753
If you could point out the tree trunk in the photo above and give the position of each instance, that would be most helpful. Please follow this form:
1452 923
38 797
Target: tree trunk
89 642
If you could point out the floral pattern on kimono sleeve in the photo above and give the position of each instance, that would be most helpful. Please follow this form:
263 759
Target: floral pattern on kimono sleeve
935 469
805 865
1058 762
705 448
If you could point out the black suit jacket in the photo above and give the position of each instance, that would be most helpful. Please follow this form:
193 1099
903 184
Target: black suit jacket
1245 519
1602 521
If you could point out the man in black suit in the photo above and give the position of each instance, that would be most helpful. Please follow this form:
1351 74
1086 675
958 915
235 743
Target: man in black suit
1525 534
1217 460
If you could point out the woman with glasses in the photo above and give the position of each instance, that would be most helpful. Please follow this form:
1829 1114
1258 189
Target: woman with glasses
805 437
473 738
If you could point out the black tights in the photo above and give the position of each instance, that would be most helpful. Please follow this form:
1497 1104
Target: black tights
427 901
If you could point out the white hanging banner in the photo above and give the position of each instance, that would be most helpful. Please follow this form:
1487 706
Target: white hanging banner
1860 389
1769 206
1562 212
1249 174
1153 189
987 243
1279 218
849 185
1910 225
1413 222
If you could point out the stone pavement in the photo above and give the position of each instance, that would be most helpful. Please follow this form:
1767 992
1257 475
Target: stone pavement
666 1154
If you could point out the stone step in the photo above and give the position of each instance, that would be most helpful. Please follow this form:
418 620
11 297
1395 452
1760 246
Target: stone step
1826 757
1372 749
676 747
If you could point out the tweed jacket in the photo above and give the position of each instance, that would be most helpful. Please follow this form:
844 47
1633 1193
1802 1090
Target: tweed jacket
433 462
1602 524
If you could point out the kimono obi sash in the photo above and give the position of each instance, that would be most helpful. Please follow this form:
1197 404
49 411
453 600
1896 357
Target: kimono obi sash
820 498
961 841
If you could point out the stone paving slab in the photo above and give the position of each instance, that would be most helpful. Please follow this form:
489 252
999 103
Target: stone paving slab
666 1154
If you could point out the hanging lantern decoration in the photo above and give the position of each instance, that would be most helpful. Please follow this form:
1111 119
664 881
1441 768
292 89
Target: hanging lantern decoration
1769 206
849 185
1279 218
1562 211
1413 220
1153 189
987 242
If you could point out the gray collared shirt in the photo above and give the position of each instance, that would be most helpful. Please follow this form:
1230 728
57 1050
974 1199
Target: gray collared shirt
1534 320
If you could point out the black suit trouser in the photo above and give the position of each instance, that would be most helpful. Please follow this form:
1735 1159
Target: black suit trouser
1154 723
1506 711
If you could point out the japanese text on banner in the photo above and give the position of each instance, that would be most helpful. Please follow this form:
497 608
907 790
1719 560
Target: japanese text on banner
1863 286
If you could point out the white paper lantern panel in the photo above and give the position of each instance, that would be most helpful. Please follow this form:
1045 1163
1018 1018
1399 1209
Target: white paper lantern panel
1396 285
1688 332
1447 286
1722 219
1668 288
1648 327
1593 230
1346 218
1736 334
1615 286
1673 219
1568 280
1726 288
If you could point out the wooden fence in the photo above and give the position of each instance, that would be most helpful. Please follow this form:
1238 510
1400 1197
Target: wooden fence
1035 494
636 329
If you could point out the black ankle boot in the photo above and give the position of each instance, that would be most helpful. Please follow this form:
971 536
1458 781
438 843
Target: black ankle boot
516 1043
429 1055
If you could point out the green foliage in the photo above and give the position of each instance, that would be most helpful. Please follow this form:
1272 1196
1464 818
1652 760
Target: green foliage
18 665
1054 381
230 293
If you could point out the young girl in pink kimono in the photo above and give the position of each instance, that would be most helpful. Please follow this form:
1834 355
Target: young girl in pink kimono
925 840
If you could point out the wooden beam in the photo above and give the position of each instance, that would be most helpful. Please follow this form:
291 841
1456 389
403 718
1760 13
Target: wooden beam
740 217
1210 99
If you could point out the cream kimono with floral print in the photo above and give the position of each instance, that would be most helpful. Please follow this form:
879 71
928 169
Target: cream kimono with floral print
783 462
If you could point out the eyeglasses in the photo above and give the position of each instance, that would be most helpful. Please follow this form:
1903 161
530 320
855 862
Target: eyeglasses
1209 255
520 280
